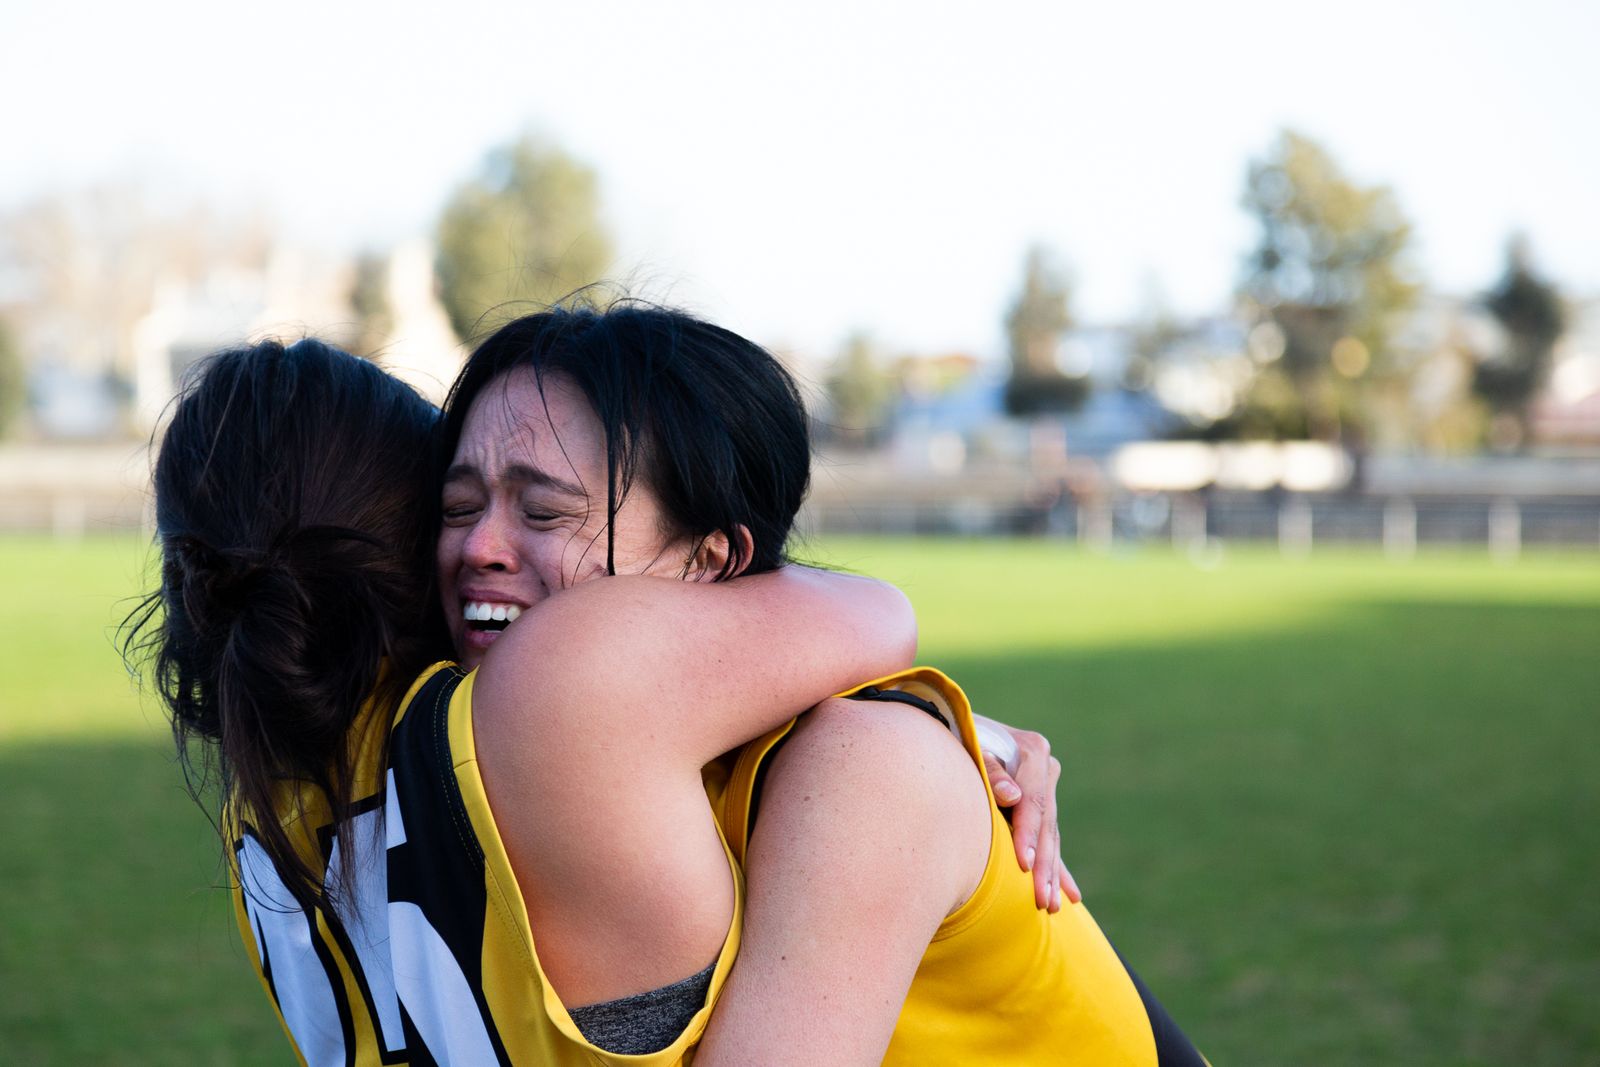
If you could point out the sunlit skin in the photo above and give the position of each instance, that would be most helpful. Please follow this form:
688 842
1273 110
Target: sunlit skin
525 515
524 508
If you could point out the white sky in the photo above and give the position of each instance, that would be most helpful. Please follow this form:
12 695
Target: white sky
797 172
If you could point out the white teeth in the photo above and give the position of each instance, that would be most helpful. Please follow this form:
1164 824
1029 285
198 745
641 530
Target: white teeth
482 611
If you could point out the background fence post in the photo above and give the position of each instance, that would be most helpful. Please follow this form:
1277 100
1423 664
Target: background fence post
1505 530
1095 527
1188 523
1294 528
1400 528
69 516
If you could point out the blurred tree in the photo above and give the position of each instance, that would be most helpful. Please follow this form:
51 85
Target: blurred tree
859 391
1329 271
1530 314
1155 331
525 229
369 299
1035 322
13 380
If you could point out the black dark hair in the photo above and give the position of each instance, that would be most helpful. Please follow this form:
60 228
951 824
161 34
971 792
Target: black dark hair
711 421
295 512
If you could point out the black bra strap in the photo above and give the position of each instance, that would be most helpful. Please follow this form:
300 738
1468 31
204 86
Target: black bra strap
872 692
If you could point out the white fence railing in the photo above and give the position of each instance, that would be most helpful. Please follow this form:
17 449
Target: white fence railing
74 491
1297 523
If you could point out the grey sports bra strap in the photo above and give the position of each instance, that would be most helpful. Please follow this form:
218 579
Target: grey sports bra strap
644 1022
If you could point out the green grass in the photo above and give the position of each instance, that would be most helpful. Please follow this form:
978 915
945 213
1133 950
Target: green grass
114 948
1334 811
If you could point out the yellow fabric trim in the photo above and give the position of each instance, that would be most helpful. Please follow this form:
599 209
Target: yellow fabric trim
936 687
1001 981
416 687
511 960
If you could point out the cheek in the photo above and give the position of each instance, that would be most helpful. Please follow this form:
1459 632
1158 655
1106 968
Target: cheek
578 557
447 558
643 544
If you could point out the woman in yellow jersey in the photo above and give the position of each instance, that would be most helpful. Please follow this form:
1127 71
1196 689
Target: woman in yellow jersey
852 914
291 532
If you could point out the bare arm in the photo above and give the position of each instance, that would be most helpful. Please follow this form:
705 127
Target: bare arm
842 901
714 665
701 667
593 715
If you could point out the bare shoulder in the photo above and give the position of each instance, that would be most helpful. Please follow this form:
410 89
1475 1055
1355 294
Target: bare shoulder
887 777
860 733
873 827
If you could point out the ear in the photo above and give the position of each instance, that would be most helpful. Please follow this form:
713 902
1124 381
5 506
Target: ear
712 555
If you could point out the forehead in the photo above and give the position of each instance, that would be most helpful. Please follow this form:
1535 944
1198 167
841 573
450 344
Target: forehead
513 421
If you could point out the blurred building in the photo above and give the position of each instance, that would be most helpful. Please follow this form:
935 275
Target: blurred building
417 344
1568 413
112 292
284 292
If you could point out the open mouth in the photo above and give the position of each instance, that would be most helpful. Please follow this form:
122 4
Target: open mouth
486 617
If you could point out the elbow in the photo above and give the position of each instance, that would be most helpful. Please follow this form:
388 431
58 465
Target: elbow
908 617
898 622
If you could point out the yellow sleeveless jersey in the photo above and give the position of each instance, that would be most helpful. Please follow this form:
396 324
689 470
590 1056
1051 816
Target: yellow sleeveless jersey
1002 982
432 960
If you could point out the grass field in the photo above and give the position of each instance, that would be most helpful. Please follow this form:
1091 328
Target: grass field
1339 811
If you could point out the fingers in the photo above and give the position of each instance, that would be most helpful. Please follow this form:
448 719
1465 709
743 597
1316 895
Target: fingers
1046 884
1035 831
1027 815
1006 791
1034 813
1069 885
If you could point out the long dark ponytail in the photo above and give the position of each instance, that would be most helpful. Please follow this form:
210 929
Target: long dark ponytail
295 512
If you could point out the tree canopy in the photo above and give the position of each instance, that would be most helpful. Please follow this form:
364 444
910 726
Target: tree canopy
369 301
1329 269
1041 313
860 391
1532 319
524 231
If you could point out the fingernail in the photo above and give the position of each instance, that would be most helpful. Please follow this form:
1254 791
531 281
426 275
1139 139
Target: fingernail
1007 790
1027 859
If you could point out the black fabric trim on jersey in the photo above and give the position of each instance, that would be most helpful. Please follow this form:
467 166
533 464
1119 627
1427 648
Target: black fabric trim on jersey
899 696
341 1000
358 807
420 1056
1173 1047
439 728
266 957
386 1056
330 966
440 868
325 835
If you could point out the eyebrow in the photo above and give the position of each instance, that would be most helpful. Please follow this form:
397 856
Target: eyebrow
519 473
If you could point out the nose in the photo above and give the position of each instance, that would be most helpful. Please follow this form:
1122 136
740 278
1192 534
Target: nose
488 546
